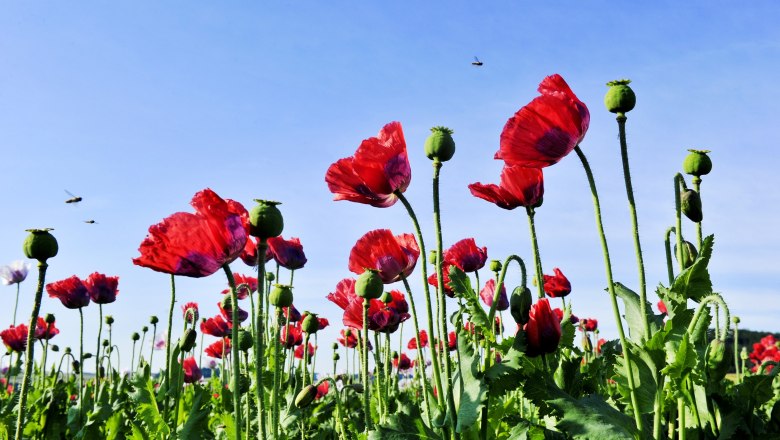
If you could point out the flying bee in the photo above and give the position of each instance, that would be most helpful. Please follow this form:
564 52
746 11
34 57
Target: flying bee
476 62
90 222
73 198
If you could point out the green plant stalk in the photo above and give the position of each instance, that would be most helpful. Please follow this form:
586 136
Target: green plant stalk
535 246
736 353
717 321
259 335
427 294
611 287
679 181
235 357
151 355
378 379
621 120
46 354
697 187
305 359
364 369
453 414
388 370
81 363
277 373
168 348
717 299
16 304
30 350
668 249
419 347
681 418
132 360
658 407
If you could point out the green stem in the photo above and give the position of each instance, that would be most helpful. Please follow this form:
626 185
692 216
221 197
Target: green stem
168 348
378 380
277 372
611 288
30 350
697 187
81 362
132 360
97 351
151 355
658 407
621 120
235 358
736 351
260 339
717 299
16 304
681 418
537 260
679 181
668 248
453 415
420 358
364 369
427 295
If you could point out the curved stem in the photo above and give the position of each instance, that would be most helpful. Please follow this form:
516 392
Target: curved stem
168 348
427 295
621 119
535 246
611 287
364 369
736 351
668 249
500 283
718 300
237 408
260 339
30 350
420 358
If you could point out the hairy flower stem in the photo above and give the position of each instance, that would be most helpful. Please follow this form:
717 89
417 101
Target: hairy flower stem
658 407
30 351
132 359
453 415
97 356
16 304
679 182
427 295
277 373
237 408
697 187
716 299
535 246
621 120
668 248
151 355
364 369
168 348
611 287
736 351
259 335
681 418
420 356
81 363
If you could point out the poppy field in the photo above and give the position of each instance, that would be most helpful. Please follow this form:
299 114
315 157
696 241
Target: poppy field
469 355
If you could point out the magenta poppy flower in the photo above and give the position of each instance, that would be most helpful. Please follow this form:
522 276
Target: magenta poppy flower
192 372
379 168
547 129
216 326
466 255
15 338
288 253
557 285
245 285
348 338
196 245
190 312
219 349
226 310
393 256
543 329
102 289
402 362
323 322
433 280
519 186
290 336
488 292
291 314
423 335
71 292
44 330
309 352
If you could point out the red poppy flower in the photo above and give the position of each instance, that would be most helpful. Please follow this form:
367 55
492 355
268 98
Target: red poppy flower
322 390
348 338
423 335
381 317
192 372
219 349
398 304
466 255
249 254
402 363
291 314
190 312
662 307
290 336
589 324
379 168
245 286
519 186
309 353
547 129
196 245
44 330
216 326
543 330
393 256
559 314
599 343
433 280
15 338
344 294
323 322
102 289
452 341
288 253
71 292
488 293
226 310
557 285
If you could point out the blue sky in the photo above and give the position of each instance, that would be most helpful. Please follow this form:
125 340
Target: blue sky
138 105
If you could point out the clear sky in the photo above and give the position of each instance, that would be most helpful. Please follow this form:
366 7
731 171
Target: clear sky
135 106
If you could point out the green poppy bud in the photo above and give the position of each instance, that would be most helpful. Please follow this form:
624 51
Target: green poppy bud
358 387
620 98
697 163
306 396
76 366
281 296
40 244
336 356
347 332
187 341
310 323
495 265
520 304
153 320
87 356
386 298
689 254
690 203
109 319
135 336
105 343
269 276
433 257
144 329
55 348
245 341
335 346
369 285
265 220
440 145
743 354
68 350
716 364
735 320
50 318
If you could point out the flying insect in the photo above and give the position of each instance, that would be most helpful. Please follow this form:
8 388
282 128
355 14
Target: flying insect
476 62
90 222
73 198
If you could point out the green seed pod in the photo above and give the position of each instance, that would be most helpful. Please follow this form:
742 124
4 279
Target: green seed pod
265 220
335 346
495 265
306 396
689 254
187 341
735 320
153 320
620 98
245 341
269 276
369 285
743 354
440 145
433 257
105 343
690 203
310 324
76 366
520 304
109 319
68 350
55 348
40 244
697 163
386 298
135 336
87 356
144 329
336 356
716 364
50 319
281 296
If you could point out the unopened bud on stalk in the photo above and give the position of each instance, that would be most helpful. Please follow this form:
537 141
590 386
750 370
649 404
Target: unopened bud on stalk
68 350
50 319
306 396
735 319
40 245
265 220
433 256
310 323
135 336
270 276
336 356
358 387
689 254
245 341
386 297
690 203
153 320
620 98
335 346
76 366
187 341
109 319
440 145
87 356
697 163
369 285
495 265
520 304
144 329
105 343
55 348
281 296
